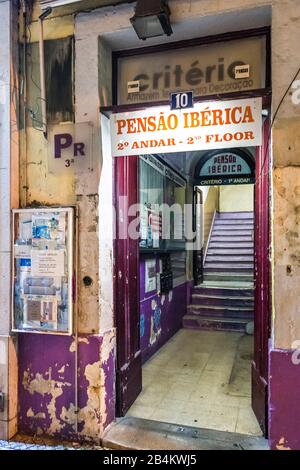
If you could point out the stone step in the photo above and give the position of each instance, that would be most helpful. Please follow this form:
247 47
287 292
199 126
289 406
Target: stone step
227 276
222 301
233 225
234 222
235 215
221 311
232 229
209 323
233 239
228 259
231 284
130 433
228 267
222 290
230 252
231 233
232 245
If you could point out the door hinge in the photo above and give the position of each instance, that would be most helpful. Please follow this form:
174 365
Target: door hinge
2 402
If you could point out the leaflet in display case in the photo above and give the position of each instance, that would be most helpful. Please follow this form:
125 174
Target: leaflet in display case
43 270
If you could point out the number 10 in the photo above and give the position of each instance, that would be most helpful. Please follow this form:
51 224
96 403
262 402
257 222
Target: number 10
182 100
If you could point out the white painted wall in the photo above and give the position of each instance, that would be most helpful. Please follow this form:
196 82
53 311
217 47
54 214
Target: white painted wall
237 198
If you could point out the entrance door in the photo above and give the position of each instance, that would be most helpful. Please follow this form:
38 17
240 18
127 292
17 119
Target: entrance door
129 365
261 270
197 228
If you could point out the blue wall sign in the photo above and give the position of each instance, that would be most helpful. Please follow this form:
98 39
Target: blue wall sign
182 100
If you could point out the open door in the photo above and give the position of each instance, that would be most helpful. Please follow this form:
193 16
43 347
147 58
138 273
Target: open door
261 273
129 364
197 228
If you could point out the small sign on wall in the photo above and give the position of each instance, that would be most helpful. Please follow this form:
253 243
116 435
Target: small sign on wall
221 167
133 86
150 275
242 71
71 148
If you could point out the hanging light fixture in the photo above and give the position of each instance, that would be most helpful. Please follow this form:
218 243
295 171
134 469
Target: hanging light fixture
151 19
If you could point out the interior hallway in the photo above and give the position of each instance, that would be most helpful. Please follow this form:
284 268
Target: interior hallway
200 379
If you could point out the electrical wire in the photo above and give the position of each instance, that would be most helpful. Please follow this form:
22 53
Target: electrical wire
272 124
33 113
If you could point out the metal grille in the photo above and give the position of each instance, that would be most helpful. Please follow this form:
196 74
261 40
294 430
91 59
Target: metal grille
56 3
82 3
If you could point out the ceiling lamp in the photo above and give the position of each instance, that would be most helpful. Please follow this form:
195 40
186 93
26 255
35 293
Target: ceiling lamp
151 19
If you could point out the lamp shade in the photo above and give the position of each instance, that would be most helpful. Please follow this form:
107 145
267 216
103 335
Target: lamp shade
151 19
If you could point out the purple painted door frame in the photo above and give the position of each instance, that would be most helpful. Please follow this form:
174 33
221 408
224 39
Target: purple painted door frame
262 283
129 359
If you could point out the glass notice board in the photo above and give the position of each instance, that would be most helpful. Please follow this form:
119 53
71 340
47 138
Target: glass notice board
43 269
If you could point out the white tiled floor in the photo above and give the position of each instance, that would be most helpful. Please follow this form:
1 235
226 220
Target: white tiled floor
202 379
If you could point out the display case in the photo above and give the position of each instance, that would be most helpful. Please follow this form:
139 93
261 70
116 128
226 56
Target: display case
175 194
44 264
151 180
162 195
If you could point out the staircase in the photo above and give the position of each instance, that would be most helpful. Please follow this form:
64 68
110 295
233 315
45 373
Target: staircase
225 300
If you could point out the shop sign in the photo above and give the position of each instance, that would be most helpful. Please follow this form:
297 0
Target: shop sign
221 167
224 67
207 126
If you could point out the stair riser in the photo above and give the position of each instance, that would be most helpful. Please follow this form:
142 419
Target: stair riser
222 302
225 312
230 240
233 223
227 277
230 245
235 215
228 269
230 252
205 325
231 235
224 292
233 227
228 259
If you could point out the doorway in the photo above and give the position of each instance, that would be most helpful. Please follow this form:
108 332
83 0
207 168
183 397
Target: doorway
132 259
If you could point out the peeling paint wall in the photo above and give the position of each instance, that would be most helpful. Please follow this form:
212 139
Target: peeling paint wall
46 386
47 364
9 198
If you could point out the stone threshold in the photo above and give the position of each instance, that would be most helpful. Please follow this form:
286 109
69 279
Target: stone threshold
131 433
